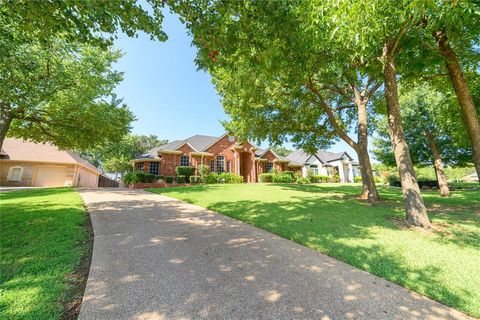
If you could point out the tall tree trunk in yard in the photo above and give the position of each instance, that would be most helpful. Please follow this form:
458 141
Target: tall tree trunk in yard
416 213
464 96
438 165
5 121
368 181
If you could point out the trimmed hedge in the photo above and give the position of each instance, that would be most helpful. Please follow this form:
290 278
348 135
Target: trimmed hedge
283 177
224 177
169 179
319 179
195 179
227 177
357 179
139 177
421 183
211 178
181 179
302 180
185 171
266 177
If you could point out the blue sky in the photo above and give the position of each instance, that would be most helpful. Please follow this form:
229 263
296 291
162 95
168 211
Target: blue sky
167 94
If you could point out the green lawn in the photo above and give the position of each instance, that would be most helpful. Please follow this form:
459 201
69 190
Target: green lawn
42 241
444 265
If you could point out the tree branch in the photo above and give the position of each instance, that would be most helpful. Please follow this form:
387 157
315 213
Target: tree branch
331 115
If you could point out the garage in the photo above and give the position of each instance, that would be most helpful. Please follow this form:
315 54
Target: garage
54 176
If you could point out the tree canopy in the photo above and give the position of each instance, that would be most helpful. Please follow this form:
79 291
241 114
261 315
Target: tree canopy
88 21
424 107
115 157
62 92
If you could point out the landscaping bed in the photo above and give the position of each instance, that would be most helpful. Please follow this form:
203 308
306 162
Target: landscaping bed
46 244
442 263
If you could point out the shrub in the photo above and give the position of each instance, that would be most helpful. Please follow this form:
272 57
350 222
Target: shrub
283 177
324 179
139 176
211 178
161 178
393 180
130 178
266 177
227 177
302 180
319 179
169 179
203 170
335 178
181 178
185 171
421 183
357 179
288 173
195 179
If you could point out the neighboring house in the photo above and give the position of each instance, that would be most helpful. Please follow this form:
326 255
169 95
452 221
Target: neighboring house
471 177
326 163
220 154
25 163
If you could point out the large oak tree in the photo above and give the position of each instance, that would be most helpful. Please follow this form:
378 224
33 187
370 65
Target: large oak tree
280 79
61 92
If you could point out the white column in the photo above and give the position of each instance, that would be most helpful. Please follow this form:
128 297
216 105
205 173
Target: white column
350 172
341 173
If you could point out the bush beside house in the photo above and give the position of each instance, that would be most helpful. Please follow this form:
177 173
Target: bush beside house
185 171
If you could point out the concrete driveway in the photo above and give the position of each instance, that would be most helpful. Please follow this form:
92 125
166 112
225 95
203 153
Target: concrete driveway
158 258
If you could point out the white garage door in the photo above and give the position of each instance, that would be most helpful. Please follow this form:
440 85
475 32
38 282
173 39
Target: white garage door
50 176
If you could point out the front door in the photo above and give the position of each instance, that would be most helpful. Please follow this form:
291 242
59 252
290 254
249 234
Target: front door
245 166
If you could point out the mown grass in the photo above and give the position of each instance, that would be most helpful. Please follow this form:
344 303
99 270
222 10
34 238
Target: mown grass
443 265
42 241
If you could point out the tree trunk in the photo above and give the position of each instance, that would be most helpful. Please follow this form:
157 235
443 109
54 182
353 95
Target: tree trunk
5 121
416 213
464 96
368 181
438 165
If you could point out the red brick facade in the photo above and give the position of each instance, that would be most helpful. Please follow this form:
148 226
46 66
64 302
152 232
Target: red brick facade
237 158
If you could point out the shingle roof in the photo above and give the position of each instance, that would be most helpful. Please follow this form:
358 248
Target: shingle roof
300 156
21 150
198 142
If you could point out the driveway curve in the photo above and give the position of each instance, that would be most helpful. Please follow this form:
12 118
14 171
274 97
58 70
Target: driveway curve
159 258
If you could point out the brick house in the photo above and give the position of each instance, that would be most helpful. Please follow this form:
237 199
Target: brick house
220 154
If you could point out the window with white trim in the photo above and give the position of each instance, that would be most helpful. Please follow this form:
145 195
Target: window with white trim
139 166
268 166
220 164
314 169
15 174
154 167
184 161
212 165
228 166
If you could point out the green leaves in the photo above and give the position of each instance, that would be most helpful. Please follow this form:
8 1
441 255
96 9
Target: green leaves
87 21
61 92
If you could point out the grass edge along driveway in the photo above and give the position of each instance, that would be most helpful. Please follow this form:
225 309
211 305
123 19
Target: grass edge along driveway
43 239
442 265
